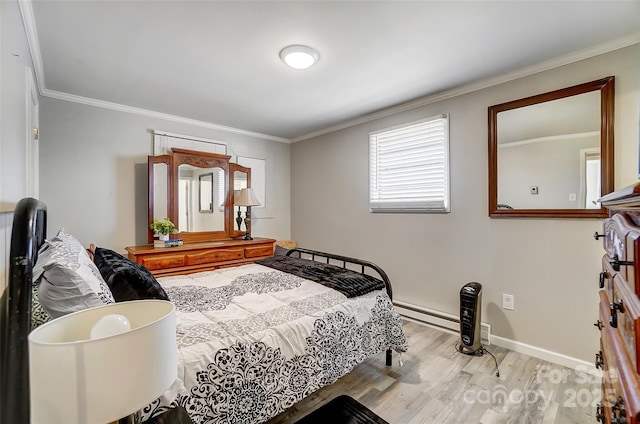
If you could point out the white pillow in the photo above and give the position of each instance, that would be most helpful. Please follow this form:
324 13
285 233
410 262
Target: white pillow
69 280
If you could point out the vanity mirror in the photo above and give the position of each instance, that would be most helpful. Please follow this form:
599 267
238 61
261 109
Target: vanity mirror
191 188
551 155
241 178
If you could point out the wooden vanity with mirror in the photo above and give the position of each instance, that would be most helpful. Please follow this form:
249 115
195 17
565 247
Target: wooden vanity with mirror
195 191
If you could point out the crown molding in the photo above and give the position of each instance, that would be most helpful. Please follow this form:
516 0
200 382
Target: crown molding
29 22
486 83
158 115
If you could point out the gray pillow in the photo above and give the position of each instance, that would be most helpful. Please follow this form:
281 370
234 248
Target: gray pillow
68 280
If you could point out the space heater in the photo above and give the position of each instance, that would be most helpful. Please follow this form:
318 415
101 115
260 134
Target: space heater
470 304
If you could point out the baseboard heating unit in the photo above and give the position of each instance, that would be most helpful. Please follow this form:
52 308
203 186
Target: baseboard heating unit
439 319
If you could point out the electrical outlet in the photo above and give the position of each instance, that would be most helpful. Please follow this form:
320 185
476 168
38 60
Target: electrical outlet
507 301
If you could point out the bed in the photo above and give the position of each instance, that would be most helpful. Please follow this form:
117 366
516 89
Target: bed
252 340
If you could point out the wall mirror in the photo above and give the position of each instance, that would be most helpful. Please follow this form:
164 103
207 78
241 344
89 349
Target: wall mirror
191 188
551 155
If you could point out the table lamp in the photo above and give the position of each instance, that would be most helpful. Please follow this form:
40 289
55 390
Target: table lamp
246 198
236 194
102 364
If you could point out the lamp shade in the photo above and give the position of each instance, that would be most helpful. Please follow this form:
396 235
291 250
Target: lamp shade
77 379
246 197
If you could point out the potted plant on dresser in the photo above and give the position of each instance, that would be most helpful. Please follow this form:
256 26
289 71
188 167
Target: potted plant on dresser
161 230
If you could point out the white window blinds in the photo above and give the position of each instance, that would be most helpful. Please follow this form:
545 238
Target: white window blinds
409 167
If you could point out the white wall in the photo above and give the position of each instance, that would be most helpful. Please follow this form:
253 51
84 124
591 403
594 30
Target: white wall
551 266
93 172
15 64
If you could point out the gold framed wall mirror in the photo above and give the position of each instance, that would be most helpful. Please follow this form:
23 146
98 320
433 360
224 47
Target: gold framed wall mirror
551 155
191 188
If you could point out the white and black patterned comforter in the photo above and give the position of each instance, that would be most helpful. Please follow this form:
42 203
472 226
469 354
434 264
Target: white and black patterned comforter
253 341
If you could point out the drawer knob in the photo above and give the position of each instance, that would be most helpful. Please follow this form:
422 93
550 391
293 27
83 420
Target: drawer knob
615 308
599 363
604 275
616 262
618 412
598 324
597 236
600 413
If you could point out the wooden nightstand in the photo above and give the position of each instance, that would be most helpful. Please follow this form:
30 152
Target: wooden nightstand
196 257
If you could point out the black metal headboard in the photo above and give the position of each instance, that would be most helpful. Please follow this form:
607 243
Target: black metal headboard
28 234
328 257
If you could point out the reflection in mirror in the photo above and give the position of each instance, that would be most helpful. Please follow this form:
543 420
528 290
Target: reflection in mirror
192 215
160 190
240 178
545 146
239 182
552 154
206 192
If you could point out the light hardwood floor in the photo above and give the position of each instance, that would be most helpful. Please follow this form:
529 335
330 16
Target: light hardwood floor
437 384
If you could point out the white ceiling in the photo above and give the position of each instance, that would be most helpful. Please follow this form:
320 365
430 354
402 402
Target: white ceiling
217 62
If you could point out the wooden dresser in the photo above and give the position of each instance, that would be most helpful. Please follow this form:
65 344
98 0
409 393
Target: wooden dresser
619 316
195 257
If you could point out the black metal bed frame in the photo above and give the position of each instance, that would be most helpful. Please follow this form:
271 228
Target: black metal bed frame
328 257
28 234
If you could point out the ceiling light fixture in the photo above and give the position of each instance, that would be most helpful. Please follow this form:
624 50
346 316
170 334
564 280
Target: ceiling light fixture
299 57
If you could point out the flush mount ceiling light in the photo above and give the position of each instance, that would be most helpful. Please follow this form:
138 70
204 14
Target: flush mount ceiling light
299 57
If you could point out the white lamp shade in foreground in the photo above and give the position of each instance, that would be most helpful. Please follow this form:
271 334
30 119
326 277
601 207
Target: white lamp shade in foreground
76 379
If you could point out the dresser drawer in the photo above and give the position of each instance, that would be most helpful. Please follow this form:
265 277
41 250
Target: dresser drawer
606 275
153 263
621 383
254 252
212 256
615 231
622 240
611 390
200 256
625 313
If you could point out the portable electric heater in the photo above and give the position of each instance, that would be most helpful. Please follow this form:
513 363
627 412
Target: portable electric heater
470 304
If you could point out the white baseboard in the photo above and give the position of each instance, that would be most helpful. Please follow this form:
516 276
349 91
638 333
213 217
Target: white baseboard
544 354
451 323
439 319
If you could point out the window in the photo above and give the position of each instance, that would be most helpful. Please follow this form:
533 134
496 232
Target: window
409 167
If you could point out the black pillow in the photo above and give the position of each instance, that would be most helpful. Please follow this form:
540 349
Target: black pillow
127 279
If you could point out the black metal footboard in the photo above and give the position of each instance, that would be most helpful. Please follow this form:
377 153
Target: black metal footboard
331 258
28 234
